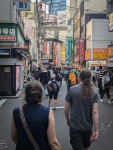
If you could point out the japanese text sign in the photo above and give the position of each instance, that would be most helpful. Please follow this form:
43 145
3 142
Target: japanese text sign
87 54
110 51
99 54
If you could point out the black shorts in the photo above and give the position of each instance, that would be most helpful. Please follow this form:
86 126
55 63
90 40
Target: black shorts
51 94
80 139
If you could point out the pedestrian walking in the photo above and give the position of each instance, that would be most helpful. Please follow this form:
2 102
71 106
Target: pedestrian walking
81 112
94 75
111 86
44 80
53 88
106 86
99 79
37 74
33 125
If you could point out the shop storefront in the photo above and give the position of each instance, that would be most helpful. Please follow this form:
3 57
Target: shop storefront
98 58
11 59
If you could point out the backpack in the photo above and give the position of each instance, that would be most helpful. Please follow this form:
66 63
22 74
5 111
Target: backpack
37 75
72 78
55 87
58 77
111 80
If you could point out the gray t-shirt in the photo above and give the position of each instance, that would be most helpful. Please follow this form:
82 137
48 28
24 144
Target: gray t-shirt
81 109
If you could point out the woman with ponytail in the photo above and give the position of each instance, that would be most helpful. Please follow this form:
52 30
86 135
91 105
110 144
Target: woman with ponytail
81 112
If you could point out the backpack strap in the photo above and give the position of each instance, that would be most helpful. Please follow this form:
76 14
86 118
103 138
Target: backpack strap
27 130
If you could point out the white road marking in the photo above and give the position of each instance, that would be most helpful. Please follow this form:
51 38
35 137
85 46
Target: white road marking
60 107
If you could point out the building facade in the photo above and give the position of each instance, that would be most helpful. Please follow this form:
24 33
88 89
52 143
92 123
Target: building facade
13 49
98 38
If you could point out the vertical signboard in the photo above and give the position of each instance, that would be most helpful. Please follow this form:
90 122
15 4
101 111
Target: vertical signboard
63 53
81 50
17 78
67 51
70 47
45 47
23 5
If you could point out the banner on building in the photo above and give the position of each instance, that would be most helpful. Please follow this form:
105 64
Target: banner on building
70 47
87 54
63 53
100 54
111 22
45 47
23 5
110 51
61 18
81 50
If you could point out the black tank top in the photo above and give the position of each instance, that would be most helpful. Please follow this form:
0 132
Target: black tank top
37 119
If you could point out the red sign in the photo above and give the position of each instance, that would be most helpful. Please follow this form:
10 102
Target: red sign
7 38
81 50
45 47
110 51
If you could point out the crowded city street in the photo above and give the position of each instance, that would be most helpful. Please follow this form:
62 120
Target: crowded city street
104 142
56 74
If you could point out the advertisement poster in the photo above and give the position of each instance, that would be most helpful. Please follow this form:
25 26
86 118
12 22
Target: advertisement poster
61 18
100 54
17 77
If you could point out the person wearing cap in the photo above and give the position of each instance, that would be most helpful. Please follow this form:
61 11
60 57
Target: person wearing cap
53 89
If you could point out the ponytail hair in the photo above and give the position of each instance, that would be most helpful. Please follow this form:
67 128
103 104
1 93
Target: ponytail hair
87 87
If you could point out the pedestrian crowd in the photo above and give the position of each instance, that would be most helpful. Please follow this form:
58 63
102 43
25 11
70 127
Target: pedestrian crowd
33 125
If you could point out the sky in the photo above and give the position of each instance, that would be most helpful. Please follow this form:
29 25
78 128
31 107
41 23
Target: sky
67 1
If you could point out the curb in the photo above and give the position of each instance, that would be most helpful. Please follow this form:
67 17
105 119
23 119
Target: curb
13 97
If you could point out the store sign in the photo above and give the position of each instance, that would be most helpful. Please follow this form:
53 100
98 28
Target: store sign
63 53
70 47
110 51
87 54
111 22
100 54
81 50
7 32
23 5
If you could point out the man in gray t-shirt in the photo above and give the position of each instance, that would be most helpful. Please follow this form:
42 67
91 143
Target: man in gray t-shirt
79 113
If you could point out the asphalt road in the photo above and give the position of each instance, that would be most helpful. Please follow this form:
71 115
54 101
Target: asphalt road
105 141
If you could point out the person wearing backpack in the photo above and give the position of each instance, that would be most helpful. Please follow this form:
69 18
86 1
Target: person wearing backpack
53 89
71 78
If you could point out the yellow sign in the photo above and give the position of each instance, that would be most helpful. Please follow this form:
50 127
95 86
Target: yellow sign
111 18
99 54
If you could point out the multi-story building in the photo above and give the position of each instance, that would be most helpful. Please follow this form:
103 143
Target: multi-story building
12 46
56 5
86 10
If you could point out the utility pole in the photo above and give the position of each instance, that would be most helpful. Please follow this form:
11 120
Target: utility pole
36 33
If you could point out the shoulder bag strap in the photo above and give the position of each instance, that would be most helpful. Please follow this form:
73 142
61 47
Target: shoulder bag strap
27 130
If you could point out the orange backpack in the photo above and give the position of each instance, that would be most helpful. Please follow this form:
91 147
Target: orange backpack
72 78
